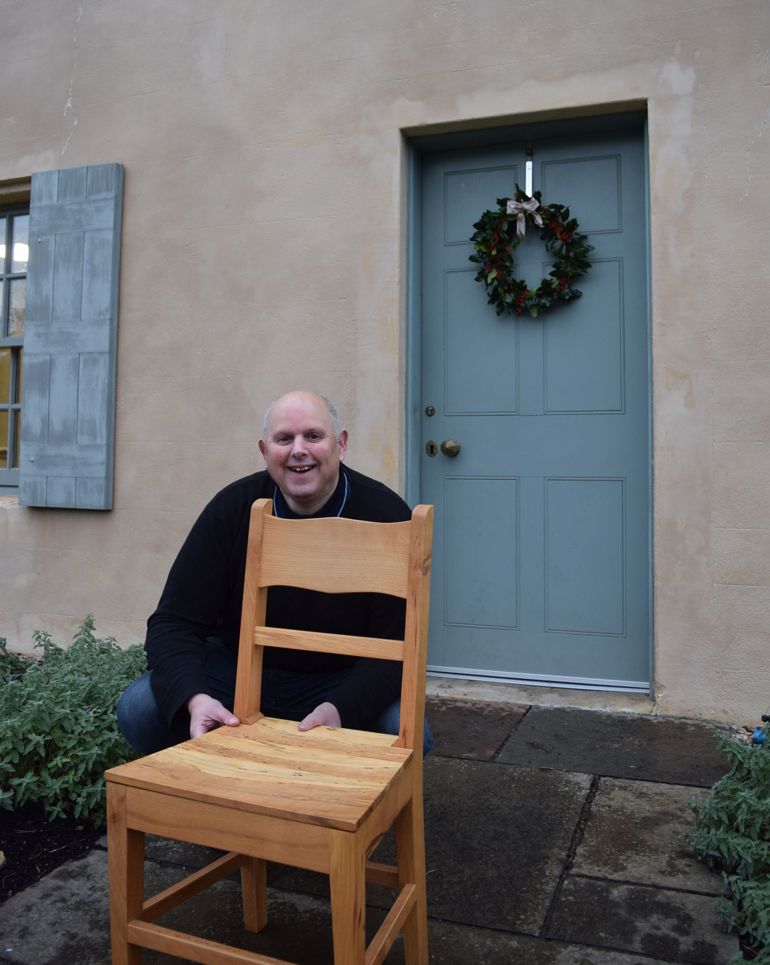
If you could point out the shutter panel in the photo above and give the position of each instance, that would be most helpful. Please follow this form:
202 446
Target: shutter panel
70 338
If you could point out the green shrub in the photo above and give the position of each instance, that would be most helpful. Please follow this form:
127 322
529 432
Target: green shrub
733 834
58 731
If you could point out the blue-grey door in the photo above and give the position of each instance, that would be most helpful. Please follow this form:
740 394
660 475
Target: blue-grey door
541 562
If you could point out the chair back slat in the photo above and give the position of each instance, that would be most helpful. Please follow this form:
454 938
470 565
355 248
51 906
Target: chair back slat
336 555
377 648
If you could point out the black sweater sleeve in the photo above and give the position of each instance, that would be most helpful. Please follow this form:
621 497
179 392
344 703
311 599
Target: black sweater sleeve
202 596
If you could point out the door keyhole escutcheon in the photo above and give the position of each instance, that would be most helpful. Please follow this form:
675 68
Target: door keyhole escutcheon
451 448
431 448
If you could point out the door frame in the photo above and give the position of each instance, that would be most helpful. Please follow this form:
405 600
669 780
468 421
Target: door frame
416 146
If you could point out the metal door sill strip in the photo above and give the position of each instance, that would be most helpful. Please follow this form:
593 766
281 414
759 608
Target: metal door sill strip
542 680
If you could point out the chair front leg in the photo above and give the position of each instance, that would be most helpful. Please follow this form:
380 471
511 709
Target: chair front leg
347 882
125 861
254 889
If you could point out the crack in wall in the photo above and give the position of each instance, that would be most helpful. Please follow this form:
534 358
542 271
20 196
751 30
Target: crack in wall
68 107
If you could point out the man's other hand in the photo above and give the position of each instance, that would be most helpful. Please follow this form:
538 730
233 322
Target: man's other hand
206 713
325 715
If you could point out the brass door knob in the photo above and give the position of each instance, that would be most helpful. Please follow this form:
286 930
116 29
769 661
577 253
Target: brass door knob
450 447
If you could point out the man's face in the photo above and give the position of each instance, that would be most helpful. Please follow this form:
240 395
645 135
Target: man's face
301 452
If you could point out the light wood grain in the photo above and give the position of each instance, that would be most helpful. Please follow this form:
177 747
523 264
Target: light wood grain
326 776
229 829
372 647
389 930
264 791
161 939
336 555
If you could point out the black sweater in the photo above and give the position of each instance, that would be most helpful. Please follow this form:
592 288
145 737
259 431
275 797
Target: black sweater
202 597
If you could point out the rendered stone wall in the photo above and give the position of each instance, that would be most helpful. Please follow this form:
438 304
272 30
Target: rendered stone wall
264 248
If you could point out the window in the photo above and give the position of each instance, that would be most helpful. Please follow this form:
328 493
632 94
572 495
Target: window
14 257
64 412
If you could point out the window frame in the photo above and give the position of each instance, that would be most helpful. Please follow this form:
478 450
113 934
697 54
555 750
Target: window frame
14 201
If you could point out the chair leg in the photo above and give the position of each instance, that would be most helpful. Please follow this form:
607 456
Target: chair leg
410 848
347 882
125 859
254 888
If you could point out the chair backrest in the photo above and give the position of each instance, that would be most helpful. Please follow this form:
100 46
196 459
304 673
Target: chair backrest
338 555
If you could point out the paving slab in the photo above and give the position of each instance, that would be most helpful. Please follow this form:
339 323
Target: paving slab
616 745
64 920
639 832
181 853
471 730
61 920
496 840
674 926
459 945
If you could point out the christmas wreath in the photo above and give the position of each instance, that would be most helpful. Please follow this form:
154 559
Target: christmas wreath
498 234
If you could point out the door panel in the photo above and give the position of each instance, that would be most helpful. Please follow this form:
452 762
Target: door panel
491 348
584 590
541 563
482 594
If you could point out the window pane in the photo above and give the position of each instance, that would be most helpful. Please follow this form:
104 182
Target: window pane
16 307
20 229
3 440
14 260
5 376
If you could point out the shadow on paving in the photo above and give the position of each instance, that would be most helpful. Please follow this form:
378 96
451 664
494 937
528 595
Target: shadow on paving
553 837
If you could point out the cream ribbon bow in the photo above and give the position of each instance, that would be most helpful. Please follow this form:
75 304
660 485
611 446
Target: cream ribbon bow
521 209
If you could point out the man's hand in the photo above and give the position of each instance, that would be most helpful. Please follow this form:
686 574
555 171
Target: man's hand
206 713
325 715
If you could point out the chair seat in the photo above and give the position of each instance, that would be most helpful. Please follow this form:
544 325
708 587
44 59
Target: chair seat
331 777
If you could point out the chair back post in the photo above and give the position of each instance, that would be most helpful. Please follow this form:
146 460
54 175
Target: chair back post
248 680
416 630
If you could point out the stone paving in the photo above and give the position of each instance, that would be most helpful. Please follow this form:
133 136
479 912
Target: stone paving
553 837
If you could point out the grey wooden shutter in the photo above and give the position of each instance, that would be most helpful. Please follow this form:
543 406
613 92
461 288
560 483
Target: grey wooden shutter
70 338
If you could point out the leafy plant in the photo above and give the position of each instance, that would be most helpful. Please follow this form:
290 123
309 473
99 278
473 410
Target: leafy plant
733 834
58 731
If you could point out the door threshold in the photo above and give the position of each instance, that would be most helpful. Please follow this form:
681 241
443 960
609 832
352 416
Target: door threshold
505 690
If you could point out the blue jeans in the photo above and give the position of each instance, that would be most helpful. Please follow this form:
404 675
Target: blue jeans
284 694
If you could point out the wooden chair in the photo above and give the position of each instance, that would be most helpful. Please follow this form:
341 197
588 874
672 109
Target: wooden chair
263 791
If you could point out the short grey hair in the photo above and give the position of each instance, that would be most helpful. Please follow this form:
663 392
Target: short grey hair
330 407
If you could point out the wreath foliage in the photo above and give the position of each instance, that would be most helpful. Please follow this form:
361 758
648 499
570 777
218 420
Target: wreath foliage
496 238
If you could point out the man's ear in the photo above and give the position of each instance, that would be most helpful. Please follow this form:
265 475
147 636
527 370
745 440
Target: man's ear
262 449
342 443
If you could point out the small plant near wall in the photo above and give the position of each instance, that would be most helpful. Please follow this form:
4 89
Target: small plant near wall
733 835
58 732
